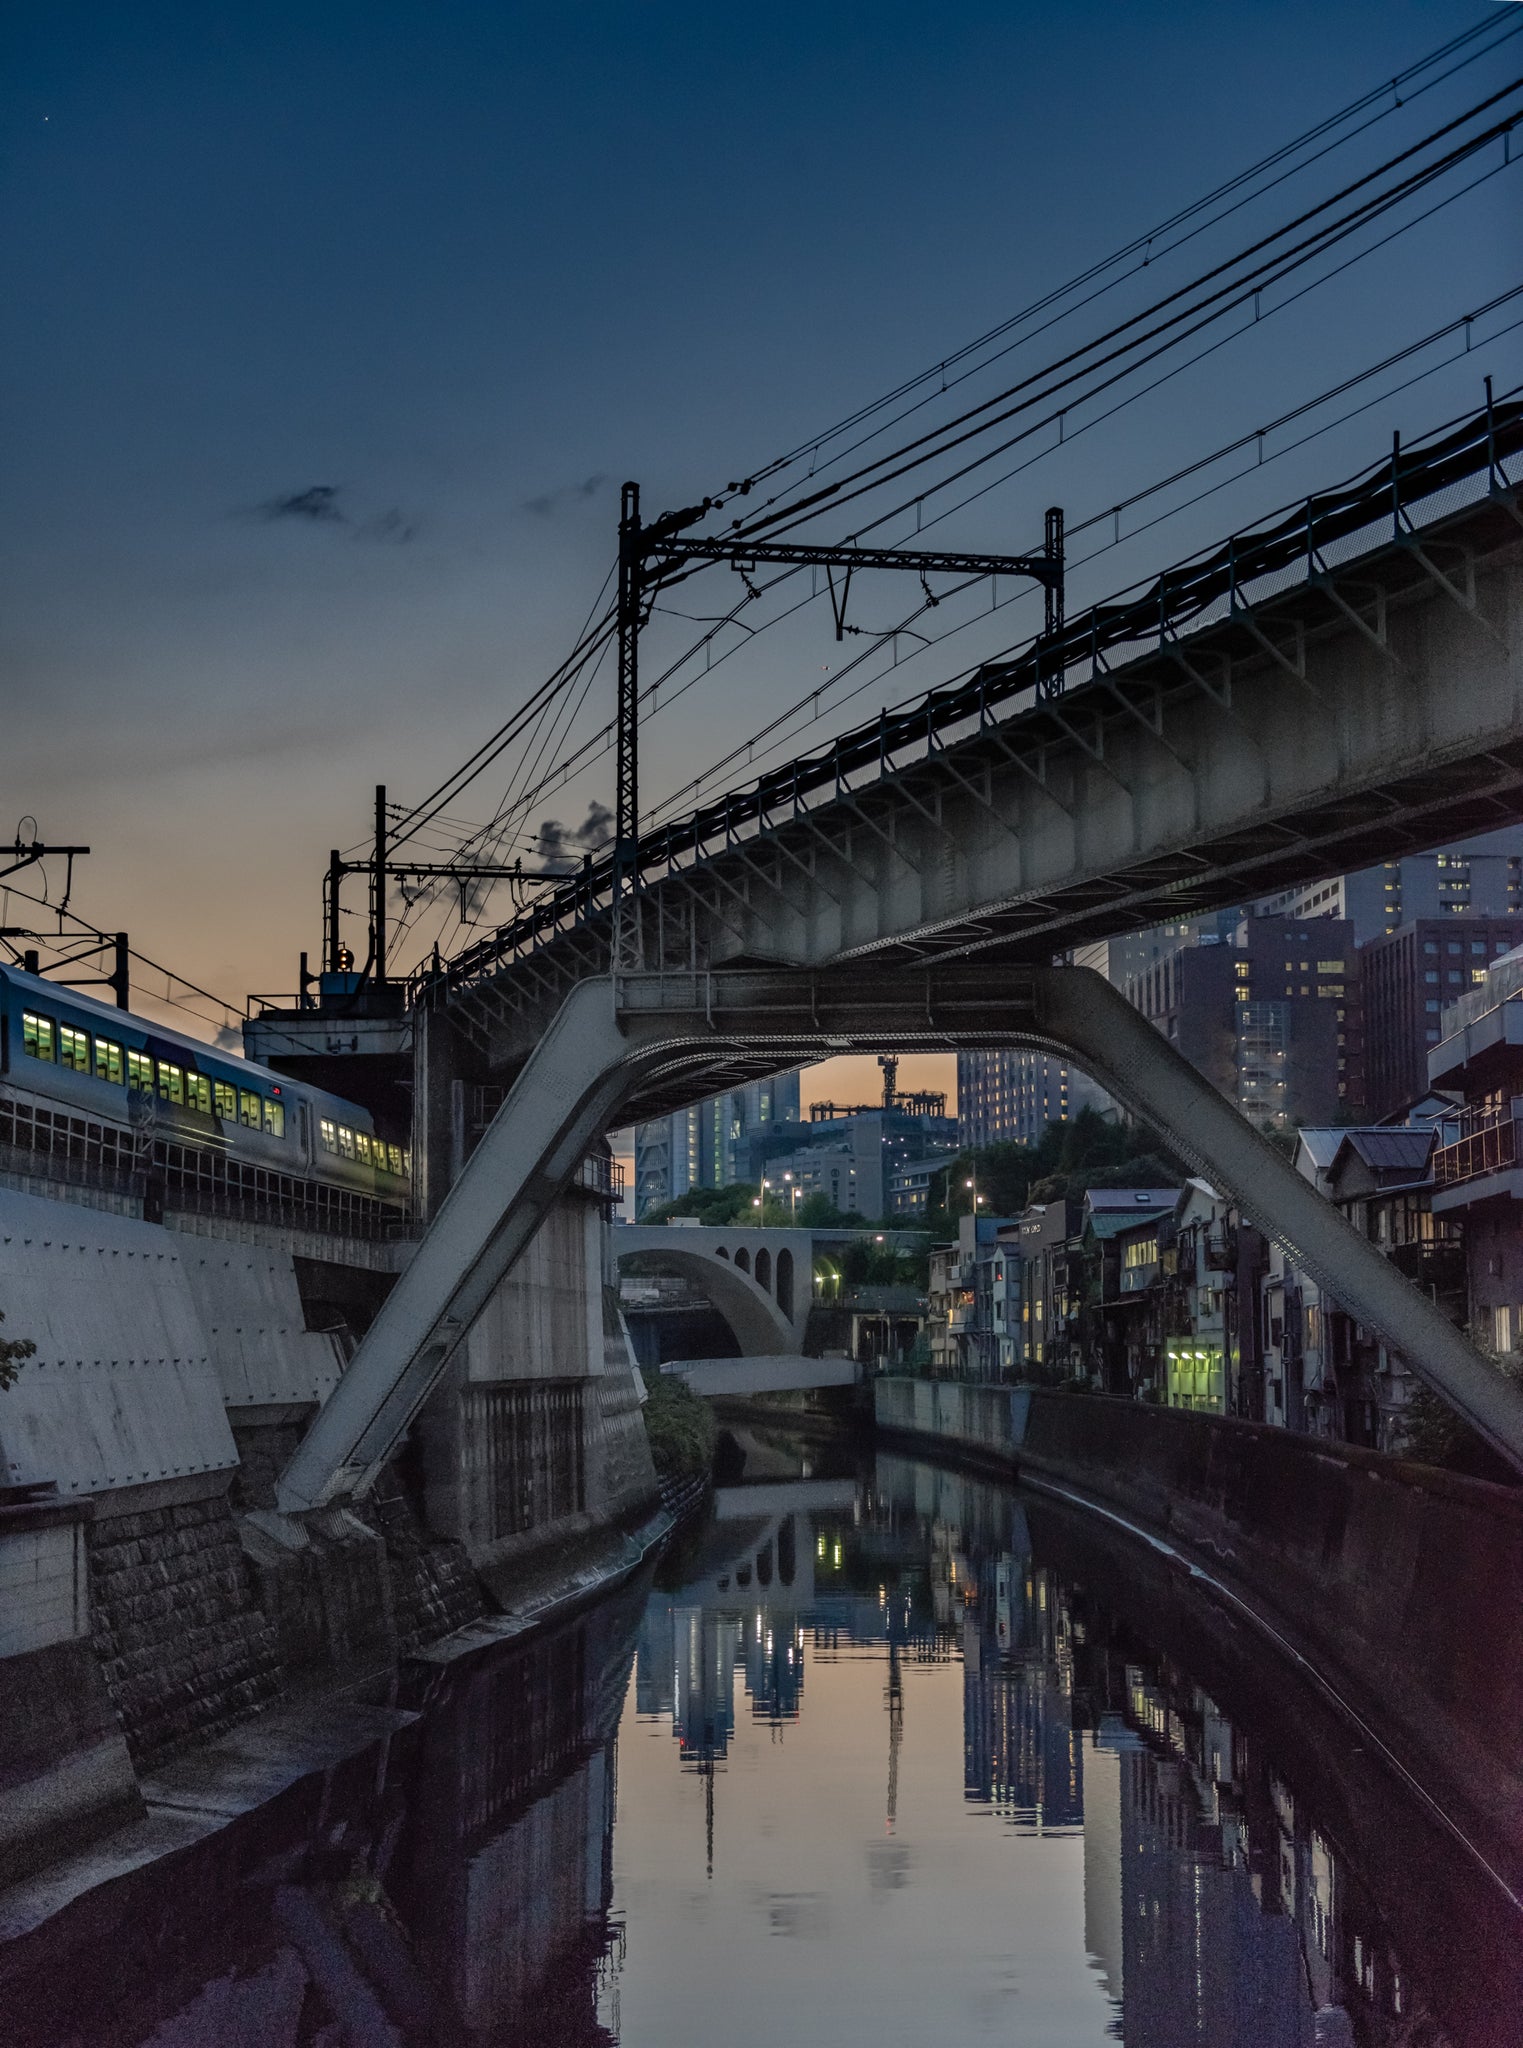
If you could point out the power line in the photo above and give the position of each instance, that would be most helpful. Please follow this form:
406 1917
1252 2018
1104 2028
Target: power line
1226 298
1403 93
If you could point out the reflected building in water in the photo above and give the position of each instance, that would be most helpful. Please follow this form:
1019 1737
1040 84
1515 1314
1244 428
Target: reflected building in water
465 1880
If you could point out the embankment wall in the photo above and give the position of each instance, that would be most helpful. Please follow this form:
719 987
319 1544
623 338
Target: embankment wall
1400 1584
150 1593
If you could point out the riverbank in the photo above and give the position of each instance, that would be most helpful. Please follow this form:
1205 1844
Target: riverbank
320 1734
1394 1584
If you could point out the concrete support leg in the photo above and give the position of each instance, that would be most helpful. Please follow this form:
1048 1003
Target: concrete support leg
566 1096
1079 1012
613 1036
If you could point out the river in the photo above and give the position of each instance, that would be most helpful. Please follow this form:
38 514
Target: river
882 1755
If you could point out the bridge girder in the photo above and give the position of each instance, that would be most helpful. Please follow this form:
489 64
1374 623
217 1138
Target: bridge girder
1374 707
630 1044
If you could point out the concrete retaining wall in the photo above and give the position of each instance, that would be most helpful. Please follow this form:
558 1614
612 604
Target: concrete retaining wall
64 1768
1401 1583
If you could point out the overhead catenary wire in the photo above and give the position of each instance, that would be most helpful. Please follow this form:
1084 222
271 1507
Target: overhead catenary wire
957 432
550 701
745 749
1400 91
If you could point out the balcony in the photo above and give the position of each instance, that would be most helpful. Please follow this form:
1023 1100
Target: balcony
1485 1147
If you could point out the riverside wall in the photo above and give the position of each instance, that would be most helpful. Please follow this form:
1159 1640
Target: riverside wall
152 1597
1400 1585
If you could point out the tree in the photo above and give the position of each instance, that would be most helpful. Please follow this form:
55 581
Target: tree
12 1351
1087 1151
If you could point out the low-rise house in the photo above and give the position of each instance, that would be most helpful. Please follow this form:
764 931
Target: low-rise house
1051 1253
1324 1372
1120 1329
960 1301
1197 1284
1478 1165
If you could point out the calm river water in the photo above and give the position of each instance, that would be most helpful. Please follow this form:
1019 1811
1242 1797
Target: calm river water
887 1756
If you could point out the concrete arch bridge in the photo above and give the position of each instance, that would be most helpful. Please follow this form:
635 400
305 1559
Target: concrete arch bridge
761 1281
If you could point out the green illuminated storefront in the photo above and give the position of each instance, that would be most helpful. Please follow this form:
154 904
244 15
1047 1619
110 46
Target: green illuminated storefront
1194 1375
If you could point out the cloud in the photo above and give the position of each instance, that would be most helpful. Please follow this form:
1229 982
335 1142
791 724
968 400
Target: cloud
562 847
550 501
318 505
388 529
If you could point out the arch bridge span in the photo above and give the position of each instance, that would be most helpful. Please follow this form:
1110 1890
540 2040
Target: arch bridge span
759 1280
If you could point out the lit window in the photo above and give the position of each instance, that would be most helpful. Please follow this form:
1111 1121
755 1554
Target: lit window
274 1118
407 1162
171 1081
362 1147
108 1061
37 1035
198 1093
248 1109
394 1158
140 1072
326 1134
225 1095
345 1141
74 1048
1329 966
1142 1251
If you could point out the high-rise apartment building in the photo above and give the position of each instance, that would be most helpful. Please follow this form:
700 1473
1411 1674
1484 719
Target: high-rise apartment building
1481 877
713 1144
1408 978
1270 1016
1013 1097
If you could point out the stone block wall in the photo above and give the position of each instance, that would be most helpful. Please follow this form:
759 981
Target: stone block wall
183 1643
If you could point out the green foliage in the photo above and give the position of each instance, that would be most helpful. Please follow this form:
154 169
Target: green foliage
1089 1151
864 1263
717 1207
1435 1435
12 1351
680 1426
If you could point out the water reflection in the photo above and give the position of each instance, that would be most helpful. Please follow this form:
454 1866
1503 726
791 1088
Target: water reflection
893 1756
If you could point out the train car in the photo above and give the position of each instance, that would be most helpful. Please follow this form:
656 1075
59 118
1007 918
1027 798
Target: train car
66 1055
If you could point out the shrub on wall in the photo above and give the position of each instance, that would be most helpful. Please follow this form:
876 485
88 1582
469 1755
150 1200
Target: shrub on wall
681 1428
12 1351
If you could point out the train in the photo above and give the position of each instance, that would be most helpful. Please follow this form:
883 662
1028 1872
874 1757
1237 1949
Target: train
65 1053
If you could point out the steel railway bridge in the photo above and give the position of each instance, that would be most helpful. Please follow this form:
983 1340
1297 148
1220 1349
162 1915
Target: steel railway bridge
1336 688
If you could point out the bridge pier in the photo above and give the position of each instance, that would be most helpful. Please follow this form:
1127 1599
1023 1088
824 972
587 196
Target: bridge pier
633 1044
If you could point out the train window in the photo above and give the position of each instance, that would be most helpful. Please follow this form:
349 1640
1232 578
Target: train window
327 1135
140 1072
108 1061
74 1048
346 1141
198 1093
274 1118
362 1146
37 1035
225 1095
407 1163
248 1108
171 1081
394 1158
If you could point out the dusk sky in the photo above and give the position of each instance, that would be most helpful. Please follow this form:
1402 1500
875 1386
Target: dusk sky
330 333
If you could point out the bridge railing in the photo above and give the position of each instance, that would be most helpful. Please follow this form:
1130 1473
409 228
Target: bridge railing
1461 464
